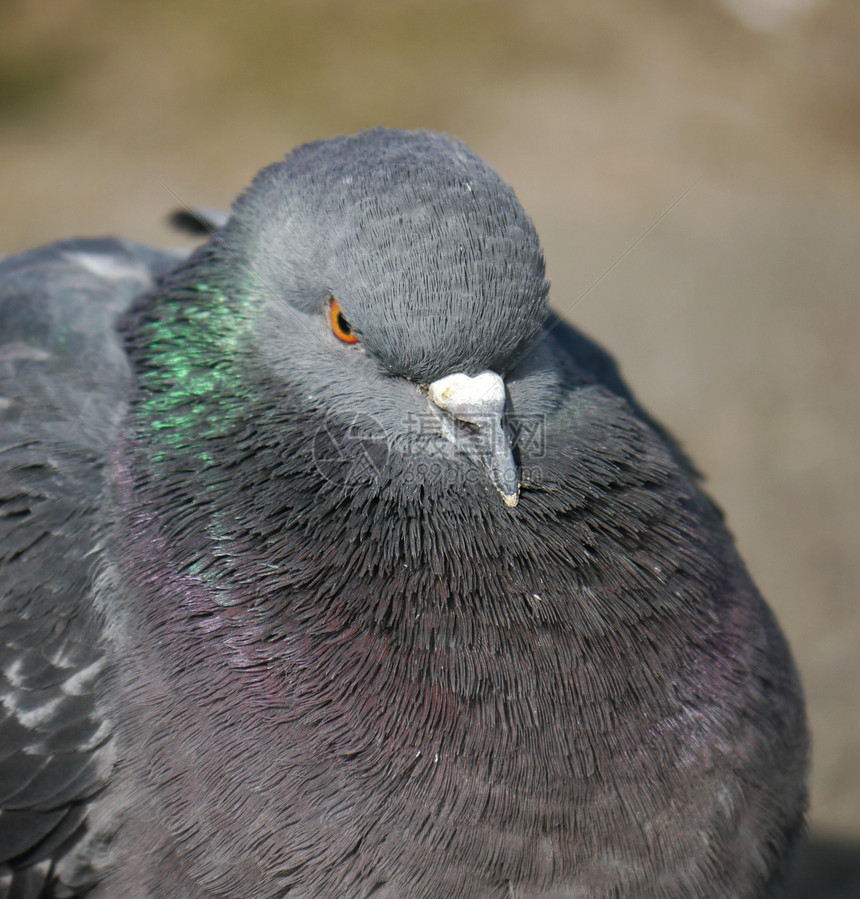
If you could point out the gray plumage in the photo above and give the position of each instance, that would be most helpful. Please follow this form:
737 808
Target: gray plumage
277 621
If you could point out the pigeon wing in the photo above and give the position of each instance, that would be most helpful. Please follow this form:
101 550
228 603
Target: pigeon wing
589 356
63 377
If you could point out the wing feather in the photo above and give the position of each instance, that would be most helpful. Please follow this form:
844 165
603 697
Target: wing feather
63 377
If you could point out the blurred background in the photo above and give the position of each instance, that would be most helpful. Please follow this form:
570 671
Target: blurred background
693 167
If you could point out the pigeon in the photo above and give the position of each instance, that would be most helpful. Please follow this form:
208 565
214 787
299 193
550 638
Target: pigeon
335 564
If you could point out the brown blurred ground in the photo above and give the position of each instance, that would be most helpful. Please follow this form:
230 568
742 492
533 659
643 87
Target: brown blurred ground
736 317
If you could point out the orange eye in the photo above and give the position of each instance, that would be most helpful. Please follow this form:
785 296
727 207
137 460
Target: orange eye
339 324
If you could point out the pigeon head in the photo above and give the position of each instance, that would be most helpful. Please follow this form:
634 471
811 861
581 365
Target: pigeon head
435 265
390 276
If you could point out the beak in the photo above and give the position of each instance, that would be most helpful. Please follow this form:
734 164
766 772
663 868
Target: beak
470 409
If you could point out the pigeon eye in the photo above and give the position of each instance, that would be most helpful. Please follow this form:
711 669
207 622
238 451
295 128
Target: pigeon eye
340 326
